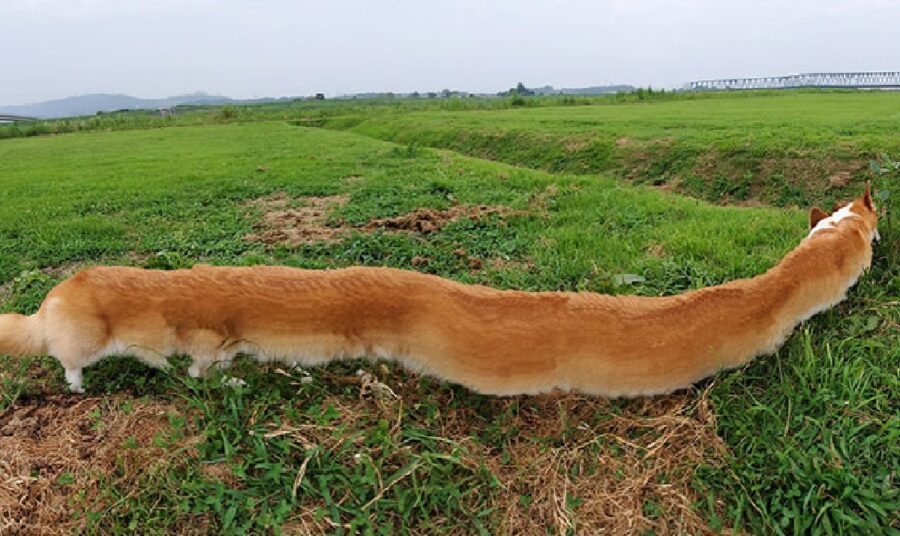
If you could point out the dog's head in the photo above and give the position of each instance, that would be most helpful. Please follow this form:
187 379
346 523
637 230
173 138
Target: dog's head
862 209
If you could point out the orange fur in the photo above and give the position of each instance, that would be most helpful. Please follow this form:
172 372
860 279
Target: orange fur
492 341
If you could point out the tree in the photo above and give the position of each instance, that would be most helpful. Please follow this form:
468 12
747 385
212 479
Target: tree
523 91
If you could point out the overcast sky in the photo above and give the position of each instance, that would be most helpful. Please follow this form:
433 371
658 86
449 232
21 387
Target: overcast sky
256 48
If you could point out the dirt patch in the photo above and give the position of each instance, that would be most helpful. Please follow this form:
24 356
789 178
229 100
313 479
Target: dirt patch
840 179
750 177
68 269
572 146
563 469
656 250
221 472
420 262
54 452
285 224
737 177
64 271
429 220
133 258
811 170
540 201
500 264
642 161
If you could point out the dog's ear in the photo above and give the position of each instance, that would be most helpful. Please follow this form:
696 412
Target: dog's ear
815 216
867 197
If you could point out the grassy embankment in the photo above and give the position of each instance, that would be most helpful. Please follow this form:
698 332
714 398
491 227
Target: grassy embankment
781 149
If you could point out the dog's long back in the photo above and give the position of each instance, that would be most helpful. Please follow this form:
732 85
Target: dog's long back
498 342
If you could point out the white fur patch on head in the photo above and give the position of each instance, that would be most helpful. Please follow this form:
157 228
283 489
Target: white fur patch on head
831 221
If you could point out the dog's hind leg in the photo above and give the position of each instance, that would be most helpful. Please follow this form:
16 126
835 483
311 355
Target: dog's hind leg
205 348
75 377
76 340
74 356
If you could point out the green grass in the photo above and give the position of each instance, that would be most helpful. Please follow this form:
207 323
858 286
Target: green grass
811 434
776 148
314 112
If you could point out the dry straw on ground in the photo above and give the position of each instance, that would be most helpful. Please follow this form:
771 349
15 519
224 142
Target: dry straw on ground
576 464
55 451
628 475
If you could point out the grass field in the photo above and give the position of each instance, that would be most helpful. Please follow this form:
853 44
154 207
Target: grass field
802 441
781 149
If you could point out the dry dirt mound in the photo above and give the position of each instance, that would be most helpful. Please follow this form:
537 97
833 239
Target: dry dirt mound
55 450
429 220
285 224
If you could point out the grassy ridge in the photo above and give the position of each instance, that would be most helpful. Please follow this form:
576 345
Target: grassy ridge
810 434
782 149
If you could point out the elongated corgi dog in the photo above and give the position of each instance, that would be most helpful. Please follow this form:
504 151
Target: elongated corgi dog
492 341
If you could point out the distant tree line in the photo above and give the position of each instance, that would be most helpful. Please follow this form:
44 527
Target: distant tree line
518 91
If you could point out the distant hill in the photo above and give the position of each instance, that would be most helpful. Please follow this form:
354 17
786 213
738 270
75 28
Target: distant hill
103 102
91 104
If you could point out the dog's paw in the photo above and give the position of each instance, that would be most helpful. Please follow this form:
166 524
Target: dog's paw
74 377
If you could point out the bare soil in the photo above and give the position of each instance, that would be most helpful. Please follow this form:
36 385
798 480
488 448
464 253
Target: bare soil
55 450
283 223
305 220
429 220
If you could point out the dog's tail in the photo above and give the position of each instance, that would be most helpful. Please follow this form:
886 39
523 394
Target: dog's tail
22 336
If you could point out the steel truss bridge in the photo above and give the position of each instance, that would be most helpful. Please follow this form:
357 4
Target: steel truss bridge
873 80
5 118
